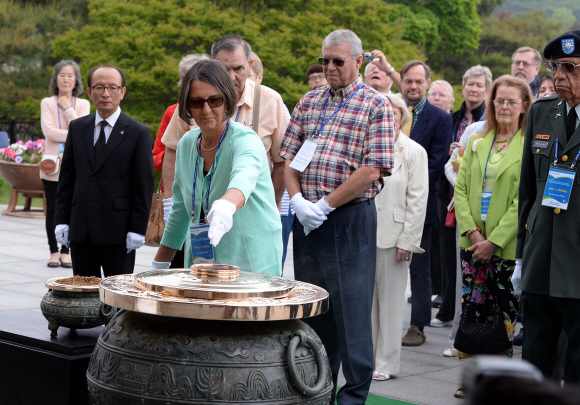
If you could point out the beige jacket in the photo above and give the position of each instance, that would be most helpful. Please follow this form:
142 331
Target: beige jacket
49 122
402 204
273 120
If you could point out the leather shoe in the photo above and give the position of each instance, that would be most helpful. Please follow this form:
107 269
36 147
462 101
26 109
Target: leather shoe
414 337
66 265
519 338
436 303
52 264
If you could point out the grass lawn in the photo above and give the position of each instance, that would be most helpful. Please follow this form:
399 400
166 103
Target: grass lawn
5 196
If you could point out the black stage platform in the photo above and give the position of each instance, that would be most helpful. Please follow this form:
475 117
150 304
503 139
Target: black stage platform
35 369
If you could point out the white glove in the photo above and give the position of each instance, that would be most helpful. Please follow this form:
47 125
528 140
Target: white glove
134 241
167 204
61 233
309 215
220 220
517 277
160 265
323 206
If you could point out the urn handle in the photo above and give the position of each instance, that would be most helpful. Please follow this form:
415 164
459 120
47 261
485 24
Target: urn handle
300 337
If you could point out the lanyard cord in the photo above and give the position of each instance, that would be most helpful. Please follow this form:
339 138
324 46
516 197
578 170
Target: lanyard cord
334 113
488 155
210 173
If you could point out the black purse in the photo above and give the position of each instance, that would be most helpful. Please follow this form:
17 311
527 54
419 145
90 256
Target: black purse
482 338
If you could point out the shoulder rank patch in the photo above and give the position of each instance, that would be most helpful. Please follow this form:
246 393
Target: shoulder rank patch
542 136
548 97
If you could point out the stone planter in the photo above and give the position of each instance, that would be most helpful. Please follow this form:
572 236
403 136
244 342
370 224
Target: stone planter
24 178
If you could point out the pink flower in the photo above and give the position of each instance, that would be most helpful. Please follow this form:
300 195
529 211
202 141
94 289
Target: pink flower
32 156
20 143
35 145
18 159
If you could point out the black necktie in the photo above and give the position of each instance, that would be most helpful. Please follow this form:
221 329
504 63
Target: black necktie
571 122
100 145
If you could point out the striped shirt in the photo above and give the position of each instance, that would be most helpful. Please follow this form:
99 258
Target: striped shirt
361 134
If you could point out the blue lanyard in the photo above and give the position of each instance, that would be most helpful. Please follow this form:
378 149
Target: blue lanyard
334 113
556 156
58 109
488 155
238 116
210 173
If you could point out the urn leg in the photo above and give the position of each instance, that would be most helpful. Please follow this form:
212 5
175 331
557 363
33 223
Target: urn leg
53 327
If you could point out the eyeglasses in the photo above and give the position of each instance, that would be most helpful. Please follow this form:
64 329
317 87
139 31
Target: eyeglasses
315 78
498 102
336 61
197 103
101 89
555 66
522 62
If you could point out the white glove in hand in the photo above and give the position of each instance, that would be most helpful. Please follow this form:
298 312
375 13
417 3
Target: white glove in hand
323 206
220 220
160 265
517 277
167 204
61 233
309 215
134 241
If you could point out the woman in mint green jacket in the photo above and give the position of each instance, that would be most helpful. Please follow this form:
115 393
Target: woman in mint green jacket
486 205
228 165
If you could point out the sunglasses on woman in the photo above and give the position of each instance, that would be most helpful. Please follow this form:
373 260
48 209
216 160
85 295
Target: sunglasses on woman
336 61
197 103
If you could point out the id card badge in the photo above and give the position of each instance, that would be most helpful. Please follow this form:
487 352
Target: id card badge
304 155
558 187
201 248
485 198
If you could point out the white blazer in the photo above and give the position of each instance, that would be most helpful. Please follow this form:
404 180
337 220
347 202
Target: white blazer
402 204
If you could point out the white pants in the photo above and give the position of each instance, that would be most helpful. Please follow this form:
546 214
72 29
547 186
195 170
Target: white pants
458 294
388 308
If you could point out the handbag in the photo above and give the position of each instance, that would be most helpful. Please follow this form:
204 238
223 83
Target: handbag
50 164
482 338
450 218
156 223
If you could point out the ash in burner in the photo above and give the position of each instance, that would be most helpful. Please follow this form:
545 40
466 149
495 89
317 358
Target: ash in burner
79 280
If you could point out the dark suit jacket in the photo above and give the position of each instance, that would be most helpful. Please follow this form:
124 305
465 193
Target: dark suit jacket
548 239
433 132
108 198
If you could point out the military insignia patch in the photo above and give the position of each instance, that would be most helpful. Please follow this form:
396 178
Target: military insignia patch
542 136
568 46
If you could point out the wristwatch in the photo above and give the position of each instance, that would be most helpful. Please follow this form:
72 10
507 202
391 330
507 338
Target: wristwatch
390 72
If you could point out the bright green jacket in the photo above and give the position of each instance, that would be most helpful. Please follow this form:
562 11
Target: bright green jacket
501 224
254 243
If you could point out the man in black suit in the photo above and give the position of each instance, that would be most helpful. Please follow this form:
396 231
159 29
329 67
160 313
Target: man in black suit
106 182
430 126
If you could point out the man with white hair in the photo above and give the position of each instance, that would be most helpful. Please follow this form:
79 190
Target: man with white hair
338 145
526 65
377 79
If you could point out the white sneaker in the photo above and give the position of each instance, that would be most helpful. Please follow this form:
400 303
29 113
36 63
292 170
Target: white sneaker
436 323
450 352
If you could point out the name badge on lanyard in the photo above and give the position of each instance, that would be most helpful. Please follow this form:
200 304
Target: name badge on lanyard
306 151
485 199
559 184
201 248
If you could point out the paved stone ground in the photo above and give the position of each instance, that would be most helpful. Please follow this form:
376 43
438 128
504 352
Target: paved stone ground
426 376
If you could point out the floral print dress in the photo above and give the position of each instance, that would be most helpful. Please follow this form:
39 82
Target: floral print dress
476 278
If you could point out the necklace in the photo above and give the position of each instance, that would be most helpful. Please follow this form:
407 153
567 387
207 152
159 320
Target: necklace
498 154
210 149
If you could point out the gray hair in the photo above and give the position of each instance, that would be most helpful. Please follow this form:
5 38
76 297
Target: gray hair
479 70
187 63
398 102
53 87
448 87
213 73
257 67
368 67
338 37
230 43
537 56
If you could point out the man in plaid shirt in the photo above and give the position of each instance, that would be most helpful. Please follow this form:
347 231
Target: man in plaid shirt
333 197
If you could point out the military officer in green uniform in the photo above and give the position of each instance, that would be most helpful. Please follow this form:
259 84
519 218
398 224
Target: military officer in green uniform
548 245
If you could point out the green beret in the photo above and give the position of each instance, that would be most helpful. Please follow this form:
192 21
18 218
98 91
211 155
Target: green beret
565 46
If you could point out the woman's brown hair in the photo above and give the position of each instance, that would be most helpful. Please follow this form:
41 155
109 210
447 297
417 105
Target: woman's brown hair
525 94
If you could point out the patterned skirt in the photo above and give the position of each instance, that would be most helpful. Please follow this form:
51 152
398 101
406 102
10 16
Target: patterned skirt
477 279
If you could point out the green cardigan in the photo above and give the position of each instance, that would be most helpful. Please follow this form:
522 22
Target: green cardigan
502 218
255 241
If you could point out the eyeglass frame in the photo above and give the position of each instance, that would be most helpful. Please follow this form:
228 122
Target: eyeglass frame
524 63
206 100
504 102
93 89
316 77
558 65
341 62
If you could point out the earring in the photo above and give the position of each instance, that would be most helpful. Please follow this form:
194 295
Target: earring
522 113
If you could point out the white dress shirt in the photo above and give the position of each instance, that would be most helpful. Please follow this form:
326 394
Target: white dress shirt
111 120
